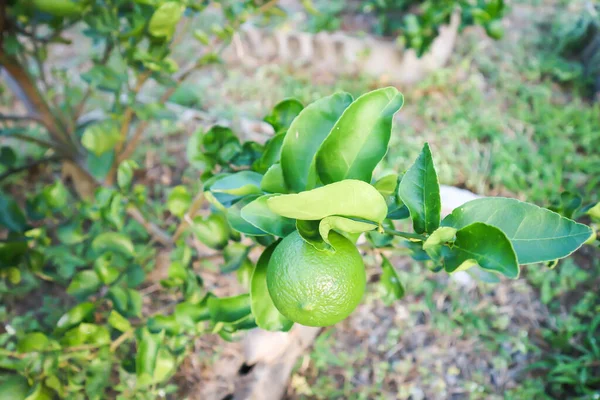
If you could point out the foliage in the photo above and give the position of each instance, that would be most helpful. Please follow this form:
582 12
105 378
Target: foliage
415 24
104 336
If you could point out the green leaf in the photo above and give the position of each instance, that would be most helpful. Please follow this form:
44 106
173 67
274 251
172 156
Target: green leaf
56 195
70 234
166 323
342 225
435 242
101 137
118 321
235 186
166 366
11 216
84 283
304 138
238 223
378 239
86 333
165 19
264 311
105 270
126 301
234 256
537 234
273 180
359 139
145 359
104 78
229 309
113 241
283 114
260 215
33 341
188 313
390 286
213 230
8 157
125 173
179 201
348 198
420 191
309 231
483 245
75 315
270 155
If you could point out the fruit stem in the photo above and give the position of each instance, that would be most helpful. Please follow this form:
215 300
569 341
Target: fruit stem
406 235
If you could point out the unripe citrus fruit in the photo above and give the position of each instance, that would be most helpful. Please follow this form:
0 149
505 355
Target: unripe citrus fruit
316 287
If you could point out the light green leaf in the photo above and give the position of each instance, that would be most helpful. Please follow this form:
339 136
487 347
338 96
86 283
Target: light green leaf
188 314
483 245
537 234
304 137
229 309
166 323
101 137
435 242
118 321
125 173
420 192
359 139
594 212
165 366
33 341
378 239
260 215
105 270
273 180
234 256
264 311
75 315
342 225
283 114
213 230
390 286
348 198
145 359
238 223
179 201
164 20
113 241
104 78
84 283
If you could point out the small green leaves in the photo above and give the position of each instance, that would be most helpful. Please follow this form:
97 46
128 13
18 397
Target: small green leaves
213 230
348 198
260 215
165 19
84 283
304 138
283 114
75 315
359 139
101 137
104 78
420 191
179 201
145 359
125 173
232 187
118 321
229 309
390 286
537 234
483 245
113 241
11 216
264 311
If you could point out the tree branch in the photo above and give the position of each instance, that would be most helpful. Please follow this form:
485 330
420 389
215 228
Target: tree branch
12 171
194 207
26 117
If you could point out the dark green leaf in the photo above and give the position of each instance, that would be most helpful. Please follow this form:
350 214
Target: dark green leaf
359 139
420 191
378 239
260 215
238 223
235 186
104 78
84 283
273 181
264 311
309 231
229 309
537 234
483 245
283 114
7 156
306 134
70 234
11 216
188 314
348 198
113 241
390 285
145 359
270 155
234 256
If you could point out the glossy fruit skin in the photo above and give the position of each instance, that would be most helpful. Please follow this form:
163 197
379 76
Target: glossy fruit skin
316 287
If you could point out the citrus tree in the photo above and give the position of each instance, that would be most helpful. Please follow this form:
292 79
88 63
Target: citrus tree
299 202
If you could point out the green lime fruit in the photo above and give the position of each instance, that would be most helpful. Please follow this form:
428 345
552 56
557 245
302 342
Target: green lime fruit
494 29
13 387
59 8
316 287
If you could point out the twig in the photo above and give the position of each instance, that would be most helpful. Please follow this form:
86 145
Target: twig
118 341
31 139
406 235
27 117
158 234
194 207
25 167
